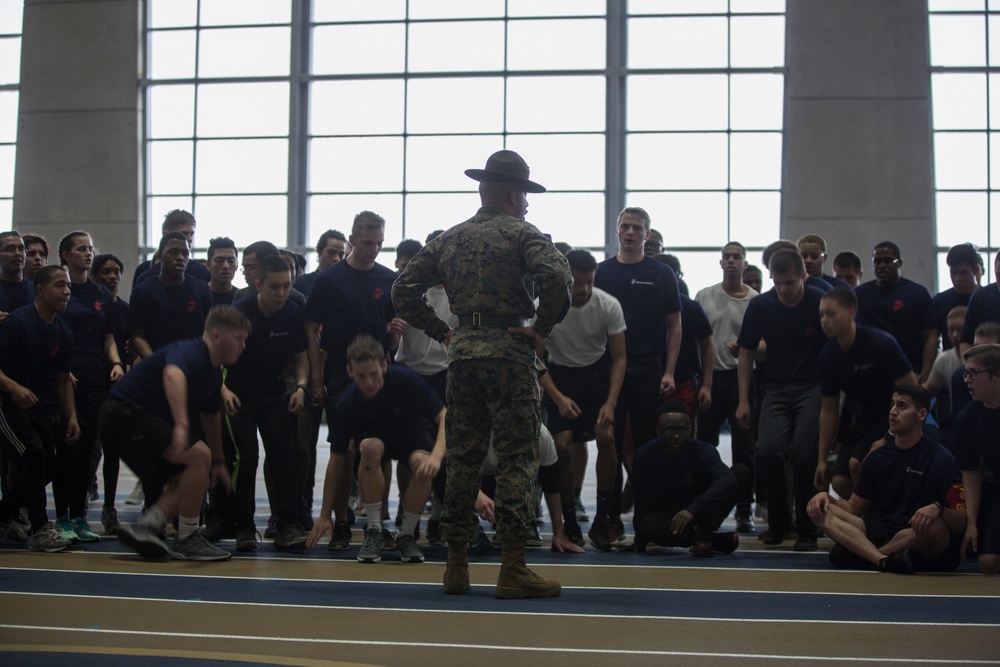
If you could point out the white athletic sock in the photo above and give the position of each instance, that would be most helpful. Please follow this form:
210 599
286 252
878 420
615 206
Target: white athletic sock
373 512
409 523
186 526
154 518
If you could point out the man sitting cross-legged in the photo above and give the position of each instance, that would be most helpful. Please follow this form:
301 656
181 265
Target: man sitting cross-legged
911 483
388 411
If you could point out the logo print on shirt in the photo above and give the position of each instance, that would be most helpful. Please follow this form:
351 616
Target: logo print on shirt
97 306
378 293
897 305
640 282
192 306
915 472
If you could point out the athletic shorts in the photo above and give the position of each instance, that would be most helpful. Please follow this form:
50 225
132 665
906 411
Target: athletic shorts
988 521
588 387
399 445
140 439
880 534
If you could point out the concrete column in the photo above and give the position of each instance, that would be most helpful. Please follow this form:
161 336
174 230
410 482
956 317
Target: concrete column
858 165
80 115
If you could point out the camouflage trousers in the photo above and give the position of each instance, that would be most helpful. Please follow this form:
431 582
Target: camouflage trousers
486 395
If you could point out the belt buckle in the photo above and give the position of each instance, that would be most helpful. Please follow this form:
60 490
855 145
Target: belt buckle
477 320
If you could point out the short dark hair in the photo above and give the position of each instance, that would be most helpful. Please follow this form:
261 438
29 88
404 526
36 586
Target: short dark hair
365 348
963 253
176 218
433 235
12 232
168 237
815 239
581 260
780 244
261 249
408 248
848 258
31 239
271 264
786 260
103 259
738 245
752 268
639 212
325 237
220 243
843 296
888 245
45 275
672 261
988 330
988 354
921 397
367 220
563 247
300 259
672 406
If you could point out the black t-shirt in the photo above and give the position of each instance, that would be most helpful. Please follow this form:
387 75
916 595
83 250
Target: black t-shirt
942 303
960 396
15 295
224 298
143 385
660 483
305 282
85 315
694 327
977 439
793 335
168 313
647 292
836 282
866 373
348 302
901 481
116 314
195 269
272 340
819 283
984 306
404 404
903 310
31 351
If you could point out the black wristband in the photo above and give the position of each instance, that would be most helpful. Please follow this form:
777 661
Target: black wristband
118 363
303 387
940 505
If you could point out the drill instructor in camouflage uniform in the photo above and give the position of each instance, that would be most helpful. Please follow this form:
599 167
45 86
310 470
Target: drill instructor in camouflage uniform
487 265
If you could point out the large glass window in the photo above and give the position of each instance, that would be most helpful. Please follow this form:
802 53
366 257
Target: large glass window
11 12
284 118
965 82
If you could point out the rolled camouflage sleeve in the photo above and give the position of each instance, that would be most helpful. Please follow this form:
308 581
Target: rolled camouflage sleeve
553 280
420 274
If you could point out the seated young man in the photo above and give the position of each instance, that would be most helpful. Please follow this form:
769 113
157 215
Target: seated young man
145 421
388 411
682 489
911 484
978 456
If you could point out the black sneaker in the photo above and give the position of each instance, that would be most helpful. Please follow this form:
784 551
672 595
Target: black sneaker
744 521
725 543
341 540
806 543
216 531
291 537
601 535
771 537
900 562
246 539
617 528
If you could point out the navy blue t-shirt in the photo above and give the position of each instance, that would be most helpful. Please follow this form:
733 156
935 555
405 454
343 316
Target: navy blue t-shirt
348 302
116 314
15 295
143 385
85 315
224 298
942 303
793 334
901 481
977 439
404 404
903 310
819 283
836 282
31 351
305 282
195 269
960 396
694 327
984 306
168 313
660 483
647 292
866 373
272 340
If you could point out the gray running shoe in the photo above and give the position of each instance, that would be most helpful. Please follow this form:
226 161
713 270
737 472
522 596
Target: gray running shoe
341 540
12 532
406 549
47 539
371 549
196 547
292 536
144 540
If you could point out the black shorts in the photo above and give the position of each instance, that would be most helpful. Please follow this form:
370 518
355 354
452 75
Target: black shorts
880 534
399 444
988 521
857 442
588 387
139 438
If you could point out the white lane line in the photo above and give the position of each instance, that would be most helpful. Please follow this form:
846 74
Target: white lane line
528 649
494 612
580 588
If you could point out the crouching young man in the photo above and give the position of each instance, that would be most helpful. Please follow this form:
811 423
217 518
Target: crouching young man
145 422
911 482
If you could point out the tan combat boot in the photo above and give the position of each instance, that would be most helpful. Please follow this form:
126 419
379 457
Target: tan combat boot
517 581
456 573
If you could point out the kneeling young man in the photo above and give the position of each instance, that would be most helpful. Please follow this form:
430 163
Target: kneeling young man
388 412
145 422
911 483
683 491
